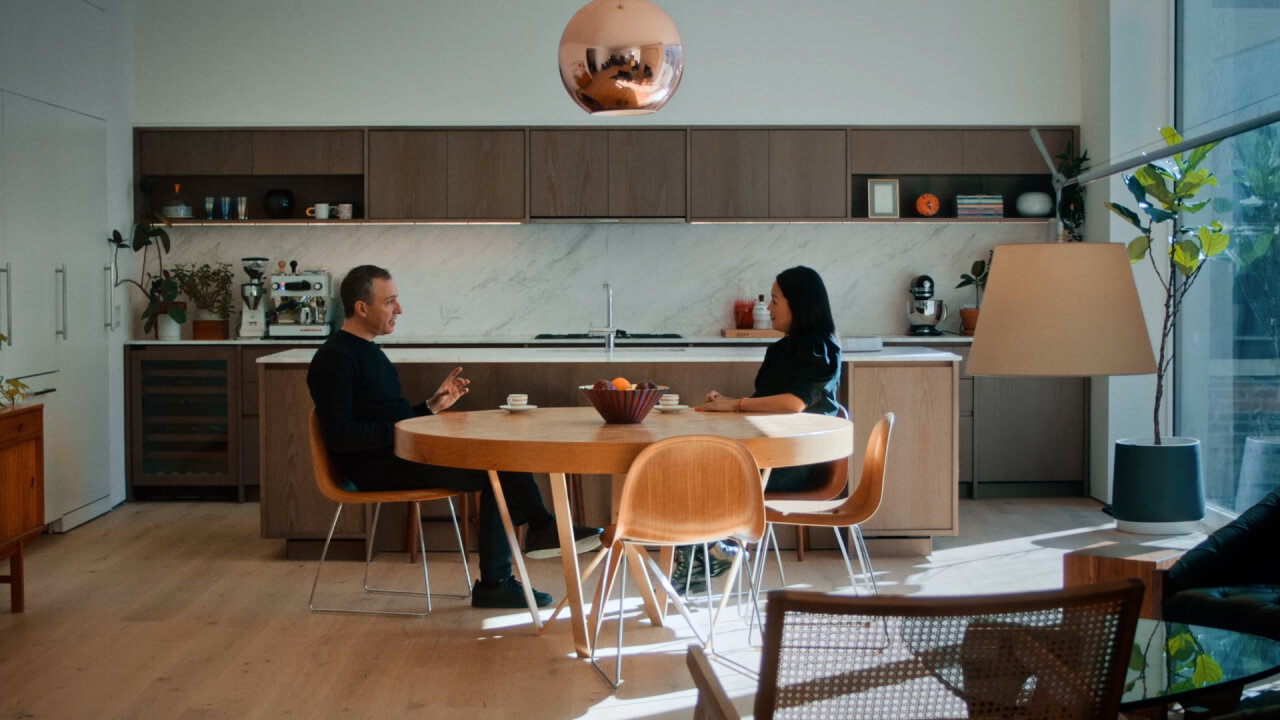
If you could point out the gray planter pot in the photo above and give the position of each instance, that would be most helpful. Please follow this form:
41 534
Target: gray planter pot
1157 488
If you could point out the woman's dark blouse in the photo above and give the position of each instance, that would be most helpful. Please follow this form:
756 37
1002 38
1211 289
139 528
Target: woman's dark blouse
807 366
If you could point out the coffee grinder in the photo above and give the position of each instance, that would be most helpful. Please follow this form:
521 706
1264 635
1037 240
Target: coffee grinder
924 314
253 316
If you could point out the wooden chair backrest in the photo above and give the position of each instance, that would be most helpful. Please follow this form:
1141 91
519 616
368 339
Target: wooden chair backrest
867 496
1054 654
692 489
322 465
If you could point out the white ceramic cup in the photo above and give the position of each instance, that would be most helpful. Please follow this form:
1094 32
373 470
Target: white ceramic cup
319 211
669 399
517 400
342 211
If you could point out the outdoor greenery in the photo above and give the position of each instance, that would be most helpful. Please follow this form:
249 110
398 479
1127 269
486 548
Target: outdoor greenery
158 287
1164 191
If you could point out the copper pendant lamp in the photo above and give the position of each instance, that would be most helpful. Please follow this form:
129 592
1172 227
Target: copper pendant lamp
620 57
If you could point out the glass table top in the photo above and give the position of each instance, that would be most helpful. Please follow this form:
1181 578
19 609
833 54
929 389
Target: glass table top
1172 660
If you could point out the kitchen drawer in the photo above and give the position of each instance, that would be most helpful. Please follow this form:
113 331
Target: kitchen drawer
16 428
966 397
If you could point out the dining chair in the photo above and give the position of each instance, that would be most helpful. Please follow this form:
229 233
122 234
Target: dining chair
835 478
683 490
342 492
1046 655
849 512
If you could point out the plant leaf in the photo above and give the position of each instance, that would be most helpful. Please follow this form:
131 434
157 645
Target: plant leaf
1138 247
116 237
1135 189
1152 181
1197 155
1180 646
176 313
1186 255
1157 214
1207 671
1137 660
1212 240
1171 136
1126 213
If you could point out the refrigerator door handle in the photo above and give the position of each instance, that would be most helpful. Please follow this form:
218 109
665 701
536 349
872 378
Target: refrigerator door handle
106 307
61 272
8 305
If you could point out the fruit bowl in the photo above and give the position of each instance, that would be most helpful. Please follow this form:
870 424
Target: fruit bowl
622 407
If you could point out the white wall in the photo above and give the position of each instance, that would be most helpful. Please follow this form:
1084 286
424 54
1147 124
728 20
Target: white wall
318 62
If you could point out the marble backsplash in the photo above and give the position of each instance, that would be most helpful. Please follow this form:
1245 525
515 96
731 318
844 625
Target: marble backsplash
518 280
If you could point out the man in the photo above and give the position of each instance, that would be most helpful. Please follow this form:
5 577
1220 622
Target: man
358 401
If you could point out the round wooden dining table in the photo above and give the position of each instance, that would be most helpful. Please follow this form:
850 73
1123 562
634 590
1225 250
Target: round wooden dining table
575 440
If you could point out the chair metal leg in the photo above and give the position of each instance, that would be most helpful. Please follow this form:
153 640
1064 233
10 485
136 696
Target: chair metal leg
848 566
864 558
426 594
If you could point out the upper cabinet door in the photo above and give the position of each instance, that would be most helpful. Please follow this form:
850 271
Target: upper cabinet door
807 174
486 174
308 152
195 152
729 171
568 173
905 152
1011 151
407 174
647 173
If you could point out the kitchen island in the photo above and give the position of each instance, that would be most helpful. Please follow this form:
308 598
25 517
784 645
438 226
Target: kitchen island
916 383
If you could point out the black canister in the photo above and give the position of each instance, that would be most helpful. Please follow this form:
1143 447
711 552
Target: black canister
278 204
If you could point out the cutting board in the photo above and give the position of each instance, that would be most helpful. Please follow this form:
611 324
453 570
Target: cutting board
736 333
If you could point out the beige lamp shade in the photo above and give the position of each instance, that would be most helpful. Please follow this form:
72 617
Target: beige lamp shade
1061 310
621 57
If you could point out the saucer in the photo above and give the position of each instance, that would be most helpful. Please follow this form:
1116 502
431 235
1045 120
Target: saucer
518 408
670 408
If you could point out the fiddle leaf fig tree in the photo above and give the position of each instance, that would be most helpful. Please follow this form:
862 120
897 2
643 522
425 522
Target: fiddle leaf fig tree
157 286
1165 191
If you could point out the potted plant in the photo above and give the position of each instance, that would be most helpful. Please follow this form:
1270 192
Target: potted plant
162 312
1071 203
11 390
208 287
1158 479
977 277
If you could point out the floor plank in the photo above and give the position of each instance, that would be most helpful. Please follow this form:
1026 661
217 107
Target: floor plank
180 610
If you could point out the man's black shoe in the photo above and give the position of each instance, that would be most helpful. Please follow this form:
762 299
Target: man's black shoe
506 593
544 542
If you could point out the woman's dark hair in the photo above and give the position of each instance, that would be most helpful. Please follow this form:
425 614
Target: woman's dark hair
358 285
807 297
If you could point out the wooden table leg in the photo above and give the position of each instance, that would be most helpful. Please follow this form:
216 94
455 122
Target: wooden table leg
517 557
16 588
569 561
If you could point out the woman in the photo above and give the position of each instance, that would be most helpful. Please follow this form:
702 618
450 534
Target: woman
800 372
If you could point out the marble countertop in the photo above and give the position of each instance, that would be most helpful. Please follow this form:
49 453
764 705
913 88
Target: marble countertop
302 356
527 341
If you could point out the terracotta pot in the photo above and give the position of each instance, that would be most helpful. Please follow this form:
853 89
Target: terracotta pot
208 329
968 320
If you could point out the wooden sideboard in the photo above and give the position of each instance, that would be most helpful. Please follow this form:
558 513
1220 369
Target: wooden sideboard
21 490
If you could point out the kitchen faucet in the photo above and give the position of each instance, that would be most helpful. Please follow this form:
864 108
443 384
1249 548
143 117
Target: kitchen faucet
609 332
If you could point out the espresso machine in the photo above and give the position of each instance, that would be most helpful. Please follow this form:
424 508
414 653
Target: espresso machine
301 303
253 316
924 314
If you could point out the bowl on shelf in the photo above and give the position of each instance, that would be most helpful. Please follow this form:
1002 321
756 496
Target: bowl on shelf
623 407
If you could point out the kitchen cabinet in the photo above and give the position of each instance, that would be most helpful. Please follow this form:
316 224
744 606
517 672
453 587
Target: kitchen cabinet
952 161
606 173
21 490
781 174
316 165
184 421
1030 437
446 174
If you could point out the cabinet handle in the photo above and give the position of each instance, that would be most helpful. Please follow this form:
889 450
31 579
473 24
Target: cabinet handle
106 308
61 272
8 305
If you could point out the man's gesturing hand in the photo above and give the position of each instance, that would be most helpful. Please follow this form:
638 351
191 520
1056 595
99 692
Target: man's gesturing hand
449 391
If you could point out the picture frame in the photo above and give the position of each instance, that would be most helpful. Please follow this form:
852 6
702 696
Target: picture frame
882 198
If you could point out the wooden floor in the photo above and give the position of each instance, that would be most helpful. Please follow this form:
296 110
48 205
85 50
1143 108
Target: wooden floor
179 610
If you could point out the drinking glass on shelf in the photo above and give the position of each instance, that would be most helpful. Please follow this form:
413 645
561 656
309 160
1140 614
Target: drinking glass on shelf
208 207
242 207
226 207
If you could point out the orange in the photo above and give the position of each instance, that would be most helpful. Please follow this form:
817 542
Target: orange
621 383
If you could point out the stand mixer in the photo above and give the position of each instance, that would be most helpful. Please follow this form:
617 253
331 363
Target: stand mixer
253 316
923 312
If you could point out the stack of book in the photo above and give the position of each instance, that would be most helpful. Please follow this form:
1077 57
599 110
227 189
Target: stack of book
979 206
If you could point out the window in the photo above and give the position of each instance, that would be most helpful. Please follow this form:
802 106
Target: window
1227 367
